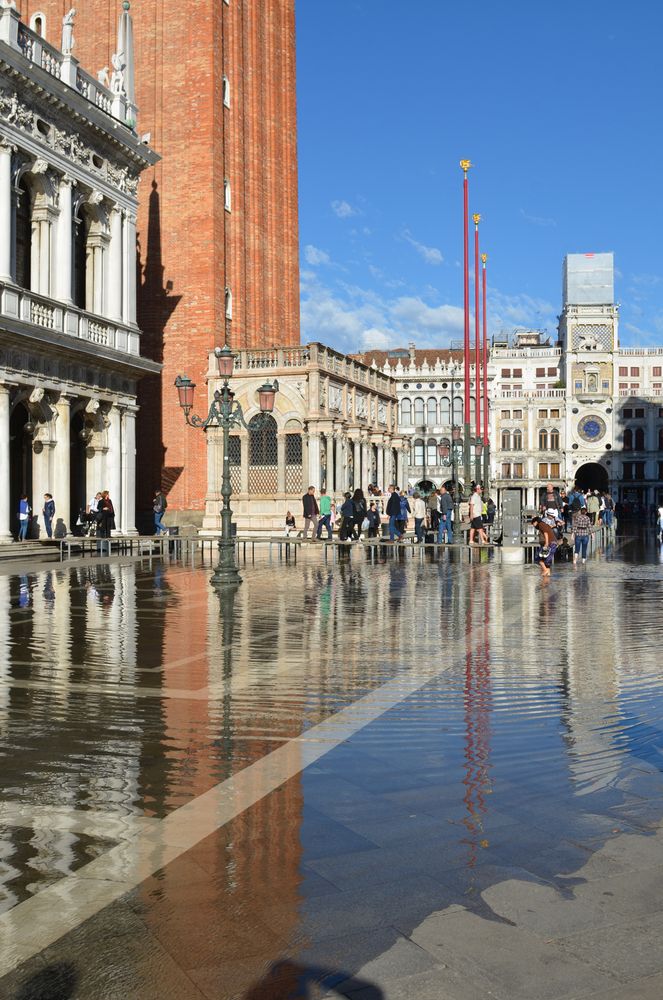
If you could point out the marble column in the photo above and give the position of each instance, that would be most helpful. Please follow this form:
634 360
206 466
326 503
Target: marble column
313 461
365 465
128 504
62 466
340 479
400 455
129 270
331 477
405 452
114 297
6 227
64 241
40 266
5 495
113 469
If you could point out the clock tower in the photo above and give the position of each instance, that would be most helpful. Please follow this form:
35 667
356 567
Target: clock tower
588 332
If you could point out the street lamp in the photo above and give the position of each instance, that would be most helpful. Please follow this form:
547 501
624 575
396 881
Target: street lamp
478 448
225 413
456 446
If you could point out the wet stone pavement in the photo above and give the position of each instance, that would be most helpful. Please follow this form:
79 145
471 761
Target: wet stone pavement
414 779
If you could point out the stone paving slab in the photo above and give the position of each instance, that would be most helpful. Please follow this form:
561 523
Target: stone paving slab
628 950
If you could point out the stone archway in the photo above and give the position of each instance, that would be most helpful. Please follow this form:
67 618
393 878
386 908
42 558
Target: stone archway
592 476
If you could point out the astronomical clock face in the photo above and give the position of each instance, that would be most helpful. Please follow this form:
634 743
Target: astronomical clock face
591 428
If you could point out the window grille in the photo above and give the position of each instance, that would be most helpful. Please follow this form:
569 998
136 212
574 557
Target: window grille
263 455
293 463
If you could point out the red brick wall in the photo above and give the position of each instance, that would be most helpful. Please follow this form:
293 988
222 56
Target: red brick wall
189 247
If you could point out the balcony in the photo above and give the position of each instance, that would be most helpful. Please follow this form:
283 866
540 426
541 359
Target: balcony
530 394
53 317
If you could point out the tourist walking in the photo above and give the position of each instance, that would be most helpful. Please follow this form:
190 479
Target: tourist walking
48 513
393 513
445 531
476 517
373 518
159 505
24 512
325 515
582 529
419 511
608 510
311 511
593 506
550 498
359 512
405 509
347 517
547 545
433 504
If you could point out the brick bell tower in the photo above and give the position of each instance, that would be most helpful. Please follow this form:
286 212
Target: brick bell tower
217 253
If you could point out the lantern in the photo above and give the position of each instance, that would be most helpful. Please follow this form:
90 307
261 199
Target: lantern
185 388
226 360
266 395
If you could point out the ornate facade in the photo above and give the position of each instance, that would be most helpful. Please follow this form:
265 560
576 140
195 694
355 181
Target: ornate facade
333 427
70 357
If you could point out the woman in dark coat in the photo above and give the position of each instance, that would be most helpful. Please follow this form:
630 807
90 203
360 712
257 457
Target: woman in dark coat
359 507
105 516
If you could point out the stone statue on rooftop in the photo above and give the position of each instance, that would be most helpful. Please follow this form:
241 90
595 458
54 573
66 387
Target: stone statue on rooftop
117 79
68 40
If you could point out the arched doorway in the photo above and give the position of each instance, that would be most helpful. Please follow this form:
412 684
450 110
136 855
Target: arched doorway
78 437
20 460
425 486
592 476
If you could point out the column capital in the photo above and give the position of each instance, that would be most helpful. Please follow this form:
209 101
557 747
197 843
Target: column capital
6 145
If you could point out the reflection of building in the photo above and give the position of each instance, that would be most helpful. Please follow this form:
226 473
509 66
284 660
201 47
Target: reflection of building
431 409
334 426
69 345
218 236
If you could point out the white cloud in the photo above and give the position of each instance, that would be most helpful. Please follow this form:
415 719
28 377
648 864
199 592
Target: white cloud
647 280
430 254
315 256
537 220
343 209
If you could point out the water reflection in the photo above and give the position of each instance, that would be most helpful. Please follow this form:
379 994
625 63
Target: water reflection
128 690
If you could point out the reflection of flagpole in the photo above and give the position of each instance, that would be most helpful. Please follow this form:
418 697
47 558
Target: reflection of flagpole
465 166
486 442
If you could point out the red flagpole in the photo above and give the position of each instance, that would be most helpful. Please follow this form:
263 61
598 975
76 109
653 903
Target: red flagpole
477 339
484 258
465 166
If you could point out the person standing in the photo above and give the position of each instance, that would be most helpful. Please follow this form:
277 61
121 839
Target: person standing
373 518
347 517
325 515
393 513
582 528
311 512
419 511
550 498
608 510
106 515
48 512
476 517
23 518
659 514
593 506
159 505
433 504
405 510
446 517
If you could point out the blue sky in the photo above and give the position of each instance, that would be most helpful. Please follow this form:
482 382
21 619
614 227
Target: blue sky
558 105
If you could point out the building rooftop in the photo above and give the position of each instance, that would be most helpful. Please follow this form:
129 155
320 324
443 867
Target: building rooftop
409 356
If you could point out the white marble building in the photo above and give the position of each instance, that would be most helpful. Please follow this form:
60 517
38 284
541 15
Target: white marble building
333 426
70 358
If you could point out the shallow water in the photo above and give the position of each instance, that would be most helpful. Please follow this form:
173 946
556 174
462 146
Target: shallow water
509 726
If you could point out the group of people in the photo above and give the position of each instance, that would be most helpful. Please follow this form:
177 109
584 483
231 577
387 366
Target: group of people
98 516
579 511
361 517
25 516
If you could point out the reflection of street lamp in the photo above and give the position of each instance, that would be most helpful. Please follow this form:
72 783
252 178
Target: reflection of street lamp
478 448
225 413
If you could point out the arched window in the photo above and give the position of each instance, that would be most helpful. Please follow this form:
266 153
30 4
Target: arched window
473 410
431 409
543 440
639 439
406 411
293 463
23 245
418 452
458 411
38 24
628 439
431 452
554 440
445 411
517 440
263 455
419 411
506 440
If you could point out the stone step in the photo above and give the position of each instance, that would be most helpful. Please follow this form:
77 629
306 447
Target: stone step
30 551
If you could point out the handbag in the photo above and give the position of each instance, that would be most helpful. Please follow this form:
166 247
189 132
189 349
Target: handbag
365 524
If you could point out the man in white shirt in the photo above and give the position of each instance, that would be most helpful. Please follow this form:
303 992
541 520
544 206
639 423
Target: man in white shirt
476 517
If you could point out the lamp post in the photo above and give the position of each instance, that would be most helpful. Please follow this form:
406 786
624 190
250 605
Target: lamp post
224 412
478 447
465 166
456 445
486 440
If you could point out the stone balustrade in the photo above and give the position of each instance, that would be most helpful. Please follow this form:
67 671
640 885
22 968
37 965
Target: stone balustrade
49 314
